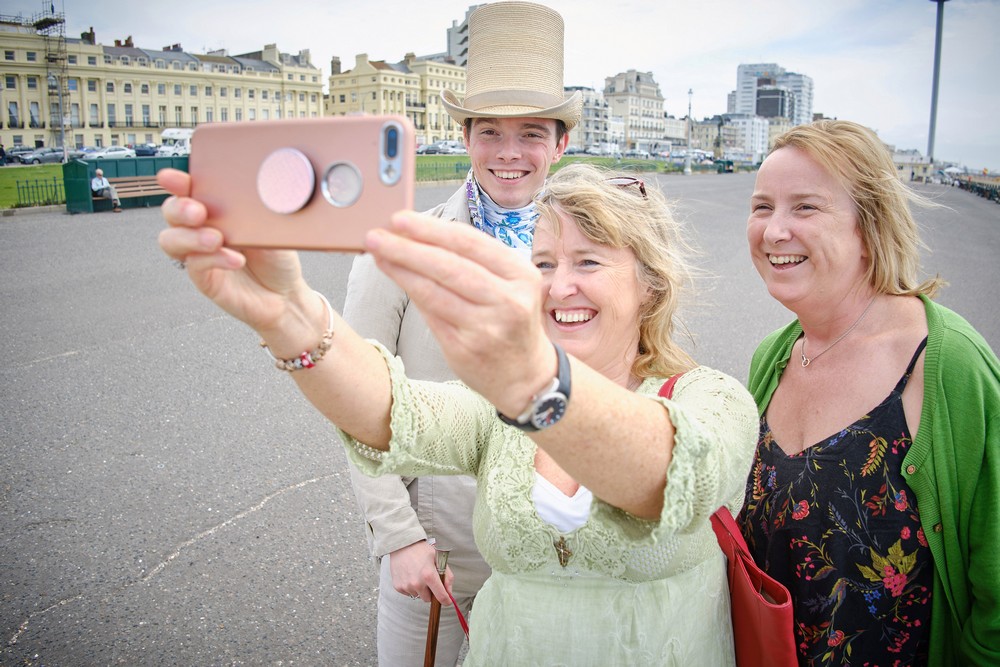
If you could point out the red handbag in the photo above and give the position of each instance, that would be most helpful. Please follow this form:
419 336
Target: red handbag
761 607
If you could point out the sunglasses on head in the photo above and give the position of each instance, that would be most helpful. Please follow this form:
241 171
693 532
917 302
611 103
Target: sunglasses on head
626 181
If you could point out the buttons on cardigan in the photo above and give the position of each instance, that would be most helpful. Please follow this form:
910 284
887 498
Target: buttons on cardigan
938 528
910 469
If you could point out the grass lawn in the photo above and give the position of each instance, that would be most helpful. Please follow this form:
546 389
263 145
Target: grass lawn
10 175
429 168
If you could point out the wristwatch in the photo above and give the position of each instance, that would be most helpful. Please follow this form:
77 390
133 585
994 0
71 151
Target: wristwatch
548 406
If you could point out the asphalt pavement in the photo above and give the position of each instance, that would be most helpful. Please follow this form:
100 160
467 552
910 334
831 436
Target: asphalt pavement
167 497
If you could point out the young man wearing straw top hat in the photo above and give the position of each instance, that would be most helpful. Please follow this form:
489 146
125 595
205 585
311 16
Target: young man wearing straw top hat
515 121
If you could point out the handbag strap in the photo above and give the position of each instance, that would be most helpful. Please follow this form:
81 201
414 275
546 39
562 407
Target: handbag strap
723 523
667 390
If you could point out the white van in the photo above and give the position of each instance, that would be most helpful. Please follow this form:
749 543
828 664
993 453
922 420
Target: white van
175 141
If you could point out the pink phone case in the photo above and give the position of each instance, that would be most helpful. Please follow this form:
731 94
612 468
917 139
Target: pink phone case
307 184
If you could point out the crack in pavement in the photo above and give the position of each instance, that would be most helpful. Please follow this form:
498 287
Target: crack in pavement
162 565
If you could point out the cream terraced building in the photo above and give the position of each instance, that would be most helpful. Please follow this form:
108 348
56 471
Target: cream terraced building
410 88
124 94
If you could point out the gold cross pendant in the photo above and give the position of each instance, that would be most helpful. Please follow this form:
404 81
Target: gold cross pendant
564 552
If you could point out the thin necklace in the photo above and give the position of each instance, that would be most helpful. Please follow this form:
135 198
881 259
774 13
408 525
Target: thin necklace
806 360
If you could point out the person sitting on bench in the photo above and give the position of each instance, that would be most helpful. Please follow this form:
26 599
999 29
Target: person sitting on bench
104 190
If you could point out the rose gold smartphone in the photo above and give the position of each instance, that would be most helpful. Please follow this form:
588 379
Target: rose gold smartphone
306 184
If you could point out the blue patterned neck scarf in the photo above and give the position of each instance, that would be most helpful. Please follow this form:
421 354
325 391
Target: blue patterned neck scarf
512 226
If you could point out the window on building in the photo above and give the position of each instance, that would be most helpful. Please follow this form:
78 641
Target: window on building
239 115
124 60
223 91
178 65
146 118
193 90
34 115
107 59
32 83
224 114
110 87
178 116
10 82
72 60
208 91
74 115
95 116
177 89
251 114
92 85
161 114
160 64
263 94
92 61
8 55
265 114
73 85
112 117
312 98
128 88
129 116
161 89
237 93
194 115
144 89
13 116
32 56
291 77
209 115
250 93
343 99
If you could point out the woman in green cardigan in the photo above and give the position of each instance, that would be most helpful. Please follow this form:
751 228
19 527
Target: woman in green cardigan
874 494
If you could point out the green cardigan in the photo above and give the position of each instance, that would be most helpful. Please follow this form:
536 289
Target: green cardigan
953 468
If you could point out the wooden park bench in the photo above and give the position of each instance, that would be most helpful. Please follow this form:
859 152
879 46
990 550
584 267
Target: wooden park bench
131 187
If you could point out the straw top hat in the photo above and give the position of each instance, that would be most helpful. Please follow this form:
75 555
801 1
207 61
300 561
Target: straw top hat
515 66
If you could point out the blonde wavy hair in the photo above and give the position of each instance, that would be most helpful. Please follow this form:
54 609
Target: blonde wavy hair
620 216
864 166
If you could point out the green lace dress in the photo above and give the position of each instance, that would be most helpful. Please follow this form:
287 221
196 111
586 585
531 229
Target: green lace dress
616 591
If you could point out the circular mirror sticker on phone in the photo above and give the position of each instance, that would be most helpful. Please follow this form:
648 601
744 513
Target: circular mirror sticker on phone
286 181
342 184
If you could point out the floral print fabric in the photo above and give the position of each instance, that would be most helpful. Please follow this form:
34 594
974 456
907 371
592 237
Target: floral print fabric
838 526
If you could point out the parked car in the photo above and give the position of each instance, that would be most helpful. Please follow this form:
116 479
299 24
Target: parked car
40 155
574 150
81 153
111 152
637 153
145 150
444 147
14 153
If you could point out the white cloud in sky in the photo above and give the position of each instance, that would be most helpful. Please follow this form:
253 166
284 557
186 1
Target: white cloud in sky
870 61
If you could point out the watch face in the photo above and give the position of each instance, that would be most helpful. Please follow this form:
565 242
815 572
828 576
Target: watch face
549 410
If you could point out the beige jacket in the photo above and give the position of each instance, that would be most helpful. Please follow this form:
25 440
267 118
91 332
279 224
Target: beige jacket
399 511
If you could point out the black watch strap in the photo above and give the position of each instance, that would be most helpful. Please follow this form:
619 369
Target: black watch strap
548 406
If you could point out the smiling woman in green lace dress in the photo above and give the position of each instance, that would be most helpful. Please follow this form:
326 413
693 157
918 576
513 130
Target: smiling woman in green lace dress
593 493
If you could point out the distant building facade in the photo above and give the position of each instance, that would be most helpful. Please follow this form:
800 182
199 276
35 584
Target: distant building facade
636 97
410 88
771 87
98 95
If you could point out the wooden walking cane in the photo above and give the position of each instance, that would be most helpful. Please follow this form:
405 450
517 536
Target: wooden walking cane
441 562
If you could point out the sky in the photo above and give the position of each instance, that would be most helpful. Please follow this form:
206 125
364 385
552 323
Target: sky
871 61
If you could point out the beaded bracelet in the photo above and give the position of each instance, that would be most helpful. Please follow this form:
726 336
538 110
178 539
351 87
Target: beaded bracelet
306 359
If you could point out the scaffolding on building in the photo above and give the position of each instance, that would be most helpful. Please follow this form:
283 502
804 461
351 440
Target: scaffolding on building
51 26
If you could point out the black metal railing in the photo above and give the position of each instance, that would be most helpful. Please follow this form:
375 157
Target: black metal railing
40 192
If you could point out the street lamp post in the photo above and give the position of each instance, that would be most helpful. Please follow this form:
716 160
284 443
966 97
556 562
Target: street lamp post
54 82
687 153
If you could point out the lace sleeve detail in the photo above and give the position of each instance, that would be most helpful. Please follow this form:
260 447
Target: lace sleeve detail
716 433
438 428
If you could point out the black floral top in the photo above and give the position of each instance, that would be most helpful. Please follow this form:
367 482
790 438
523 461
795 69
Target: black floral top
839 527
